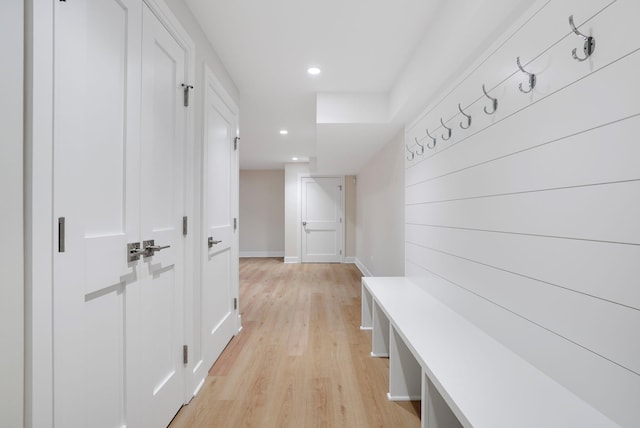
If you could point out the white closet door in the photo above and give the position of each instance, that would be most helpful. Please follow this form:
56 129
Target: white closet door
119 139
219 287
95 188
321 211
161 317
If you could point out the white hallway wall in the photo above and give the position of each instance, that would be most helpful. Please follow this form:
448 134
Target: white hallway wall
261 213
11 225
292 210
529 218
380 212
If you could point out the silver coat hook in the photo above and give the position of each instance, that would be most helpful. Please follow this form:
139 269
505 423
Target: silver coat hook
448 131
421 151
589 43
467 116
410 151
532 78
493 100
431 146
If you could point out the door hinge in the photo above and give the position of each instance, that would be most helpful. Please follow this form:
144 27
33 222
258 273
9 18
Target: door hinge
184 225
185 354
61 233
340 187
235 223
186 94
235 303
340 219
340 252
235 143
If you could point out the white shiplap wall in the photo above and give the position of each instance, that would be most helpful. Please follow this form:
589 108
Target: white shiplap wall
530 219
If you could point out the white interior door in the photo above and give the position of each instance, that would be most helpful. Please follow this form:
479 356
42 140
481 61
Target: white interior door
321 212
220 281
96 191
119 138
161 318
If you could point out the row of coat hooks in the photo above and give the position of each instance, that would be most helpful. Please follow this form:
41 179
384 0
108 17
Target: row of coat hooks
588 48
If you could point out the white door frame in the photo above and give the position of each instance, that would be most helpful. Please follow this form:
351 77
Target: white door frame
11 230
196 374
39 222
299 212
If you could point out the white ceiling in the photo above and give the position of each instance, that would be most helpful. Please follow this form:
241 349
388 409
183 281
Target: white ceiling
378 61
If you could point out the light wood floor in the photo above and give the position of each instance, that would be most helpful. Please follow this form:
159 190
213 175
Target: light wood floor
301 359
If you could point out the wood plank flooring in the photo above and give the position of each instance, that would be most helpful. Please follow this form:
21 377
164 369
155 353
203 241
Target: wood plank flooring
301 359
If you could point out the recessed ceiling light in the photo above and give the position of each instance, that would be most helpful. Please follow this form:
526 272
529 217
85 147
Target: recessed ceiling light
313 71
284 132
294 158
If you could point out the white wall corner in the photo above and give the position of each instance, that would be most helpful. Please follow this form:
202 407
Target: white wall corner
362 267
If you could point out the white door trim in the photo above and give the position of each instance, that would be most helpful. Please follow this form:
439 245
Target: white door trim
39 227
299 214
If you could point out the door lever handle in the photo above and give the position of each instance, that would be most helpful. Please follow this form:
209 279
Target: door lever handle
150 248
211 242
304 223
134 251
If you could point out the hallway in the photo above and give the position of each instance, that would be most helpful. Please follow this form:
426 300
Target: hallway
301 359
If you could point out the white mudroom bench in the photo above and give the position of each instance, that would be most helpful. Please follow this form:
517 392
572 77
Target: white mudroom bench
462 375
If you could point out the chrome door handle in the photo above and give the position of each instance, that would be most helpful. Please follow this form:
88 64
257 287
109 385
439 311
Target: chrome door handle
211 242
150 248
134 251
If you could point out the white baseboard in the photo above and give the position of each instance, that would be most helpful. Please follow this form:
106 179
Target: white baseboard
366 328
195 392
239 321
362 267
403 397
244 254
349 260
291 260
374 355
